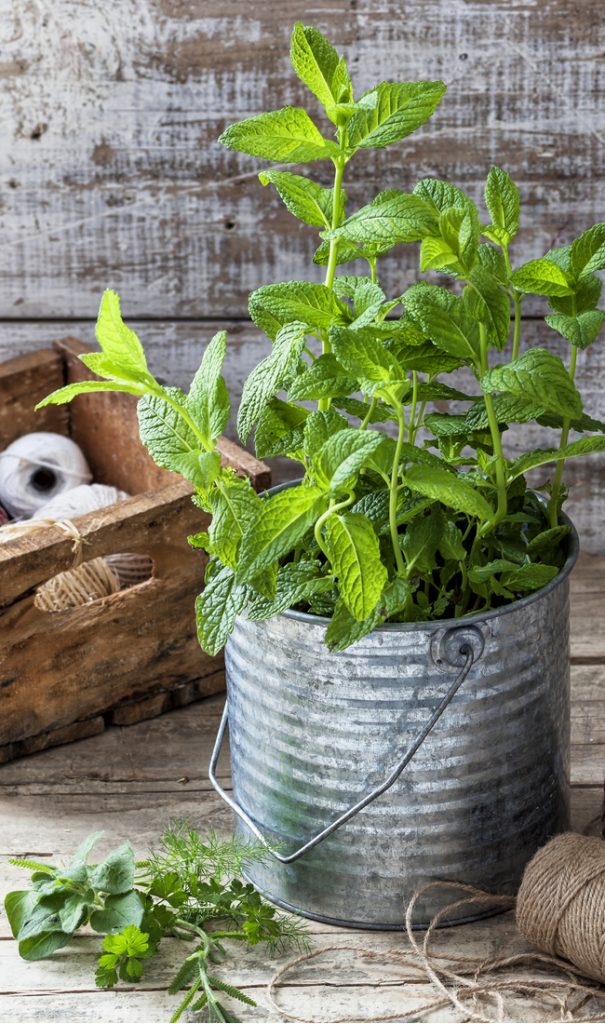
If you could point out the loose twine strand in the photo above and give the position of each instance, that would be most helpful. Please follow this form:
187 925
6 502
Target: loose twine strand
477 987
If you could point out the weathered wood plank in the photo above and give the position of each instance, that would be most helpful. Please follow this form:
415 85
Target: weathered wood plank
113 174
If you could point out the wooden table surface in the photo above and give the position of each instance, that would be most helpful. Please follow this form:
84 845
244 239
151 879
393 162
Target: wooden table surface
133 781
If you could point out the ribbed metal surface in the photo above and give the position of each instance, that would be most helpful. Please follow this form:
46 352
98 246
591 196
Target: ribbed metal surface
312 731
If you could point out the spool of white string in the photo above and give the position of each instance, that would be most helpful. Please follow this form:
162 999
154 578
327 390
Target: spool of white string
38 467
80 500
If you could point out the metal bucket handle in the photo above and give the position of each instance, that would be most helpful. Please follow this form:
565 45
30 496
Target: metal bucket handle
456 646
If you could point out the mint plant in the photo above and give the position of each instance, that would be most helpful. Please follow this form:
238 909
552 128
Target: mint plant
402 513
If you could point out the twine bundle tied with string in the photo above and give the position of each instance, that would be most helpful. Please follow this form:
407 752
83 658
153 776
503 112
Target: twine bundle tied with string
76 587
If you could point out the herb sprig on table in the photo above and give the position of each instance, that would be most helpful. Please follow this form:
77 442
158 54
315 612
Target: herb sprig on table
404 513
188 888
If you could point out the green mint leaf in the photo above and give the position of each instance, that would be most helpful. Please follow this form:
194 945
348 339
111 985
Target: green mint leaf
453 247
543 545
296 582
580 330
364 357
587 293
318 65
344 629
503 202
118 912
320 426
542 277
270 375
216 610
587 253
208 400
168 437
86 387
116 873
354 552
235 506
443 318
379 414
582 424
391 111
324 378
529 577
440 195
282 523
280 429
343 456
421 539
310 202
43 944
437 392
450 542
507 408
102 365
540 457
443 424
275 305
489 304
392 217
286 136
118 342
539 377
452 491
346 252
493 262
361 289
374 506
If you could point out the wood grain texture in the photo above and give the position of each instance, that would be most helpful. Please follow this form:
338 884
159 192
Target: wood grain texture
112 171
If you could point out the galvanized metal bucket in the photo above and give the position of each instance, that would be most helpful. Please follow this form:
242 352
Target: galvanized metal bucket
425 751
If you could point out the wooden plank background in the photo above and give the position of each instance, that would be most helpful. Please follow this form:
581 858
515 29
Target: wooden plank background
111 175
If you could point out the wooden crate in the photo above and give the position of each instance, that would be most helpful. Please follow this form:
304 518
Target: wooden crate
133 655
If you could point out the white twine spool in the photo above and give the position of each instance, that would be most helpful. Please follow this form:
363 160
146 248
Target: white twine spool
38 467
80 500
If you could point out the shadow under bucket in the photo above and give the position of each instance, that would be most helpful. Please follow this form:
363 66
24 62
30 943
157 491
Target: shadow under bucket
431 751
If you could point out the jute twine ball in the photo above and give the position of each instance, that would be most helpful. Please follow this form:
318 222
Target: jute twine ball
130 568
87 582
561 902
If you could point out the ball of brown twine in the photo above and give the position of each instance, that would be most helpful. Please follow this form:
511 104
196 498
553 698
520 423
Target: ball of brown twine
130 567
561 902
87 582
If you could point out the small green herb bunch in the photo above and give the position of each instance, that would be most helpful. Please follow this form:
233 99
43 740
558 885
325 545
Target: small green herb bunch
188 888
403 513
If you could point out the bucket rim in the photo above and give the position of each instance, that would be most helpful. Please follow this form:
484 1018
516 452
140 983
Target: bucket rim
467 620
